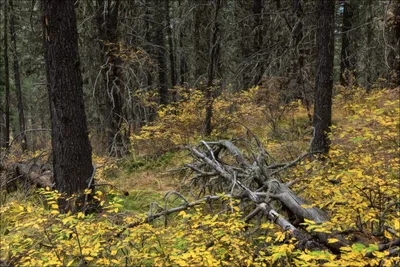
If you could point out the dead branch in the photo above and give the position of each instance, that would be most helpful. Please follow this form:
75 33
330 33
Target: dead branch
223 163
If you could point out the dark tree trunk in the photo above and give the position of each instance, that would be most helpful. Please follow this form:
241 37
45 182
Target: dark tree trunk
346 55
17 78
393 58
170 44
212 65
198 25
258 40
6 132
397 23
324 77
2 118
369 60
183 65
299 54
72 153
161 57
246 43
107 23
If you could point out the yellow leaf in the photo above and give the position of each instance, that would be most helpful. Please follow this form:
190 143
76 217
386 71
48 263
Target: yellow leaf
305 257
388 235
81 215
332 240
70 263
54 206
55 212
280 236
89 258
181 263
396 225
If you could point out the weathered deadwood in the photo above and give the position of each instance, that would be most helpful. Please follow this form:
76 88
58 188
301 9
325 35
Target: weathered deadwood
31 172
279 191
209 165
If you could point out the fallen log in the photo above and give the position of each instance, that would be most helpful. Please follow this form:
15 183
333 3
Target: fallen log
245 177
34 174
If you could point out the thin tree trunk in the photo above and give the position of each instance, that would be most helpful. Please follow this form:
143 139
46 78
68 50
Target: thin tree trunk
324 77
345 56
398 41
7 80
299 55
394 61
258 40
162 65
170 44
198 49
107 22
72 153
183 68
212 65
17 78
369 62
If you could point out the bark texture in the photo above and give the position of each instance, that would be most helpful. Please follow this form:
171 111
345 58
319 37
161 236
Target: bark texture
111 104
322 119
72 153
17 79
6 133
346 55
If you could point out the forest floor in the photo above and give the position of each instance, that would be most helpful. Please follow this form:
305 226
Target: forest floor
358 186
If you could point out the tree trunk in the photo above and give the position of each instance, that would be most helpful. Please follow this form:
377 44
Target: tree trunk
397 25
393 25
17 78
183 68
369 59
6 133
346 55
107 23
161 58
212 65
258 40
170 44
324 77
72 153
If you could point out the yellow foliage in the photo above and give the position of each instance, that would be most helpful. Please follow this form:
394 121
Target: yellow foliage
356 185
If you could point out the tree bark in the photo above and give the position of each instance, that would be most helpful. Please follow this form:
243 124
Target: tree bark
17 78
170 44
107 23
72 153
183 68
212 66
162 66
346 67
397 25
6 133
369 56
322 119
258 40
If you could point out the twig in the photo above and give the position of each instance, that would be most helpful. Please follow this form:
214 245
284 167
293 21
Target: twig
152 217
89 185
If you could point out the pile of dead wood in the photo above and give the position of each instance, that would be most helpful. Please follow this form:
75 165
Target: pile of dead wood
253 177
20 174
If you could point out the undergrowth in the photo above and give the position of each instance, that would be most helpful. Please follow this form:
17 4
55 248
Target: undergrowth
357 184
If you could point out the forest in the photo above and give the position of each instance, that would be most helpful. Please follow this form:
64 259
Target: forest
199 133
